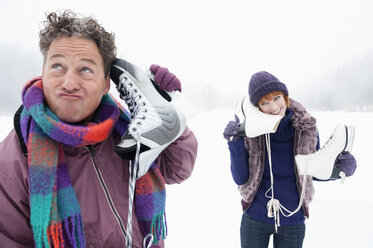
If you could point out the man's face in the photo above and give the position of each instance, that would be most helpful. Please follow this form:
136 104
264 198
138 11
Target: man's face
73 79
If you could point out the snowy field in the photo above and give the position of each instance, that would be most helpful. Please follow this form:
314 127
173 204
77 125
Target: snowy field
205 210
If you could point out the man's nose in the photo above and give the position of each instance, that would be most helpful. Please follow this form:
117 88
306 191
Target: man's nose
71 82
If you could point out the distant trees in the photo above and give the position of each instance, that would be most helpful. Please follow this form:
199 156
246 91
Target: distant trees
16 67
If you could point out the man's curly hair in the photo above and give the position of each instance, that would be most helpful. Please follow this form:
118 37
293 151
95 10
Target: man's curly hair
69 24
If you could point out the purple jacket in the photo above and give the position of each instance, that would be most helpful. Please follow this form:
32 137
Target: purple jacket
101 227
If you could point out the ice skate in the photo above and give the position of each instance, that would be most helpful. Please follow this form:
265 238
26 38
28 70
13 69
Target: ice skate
155 123
321 163
255 122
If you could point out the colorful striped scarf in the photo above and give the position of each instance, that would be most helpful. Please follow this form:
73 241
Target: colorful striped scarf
55 212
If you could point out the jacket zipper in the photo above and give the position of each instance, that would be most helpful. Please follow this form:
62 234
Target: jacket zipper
106 191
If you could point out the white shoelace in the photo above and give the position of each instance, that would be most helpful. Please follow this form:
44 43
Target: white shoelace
274 206
151 238
131 96
131 191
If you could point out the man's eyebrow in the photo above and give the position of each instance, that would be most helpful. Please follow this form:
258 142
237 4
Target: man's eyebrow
58 55
91 61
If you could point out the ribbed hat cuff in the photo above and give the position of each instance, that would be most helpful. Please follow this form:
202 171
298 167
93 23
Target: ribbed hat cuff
265 89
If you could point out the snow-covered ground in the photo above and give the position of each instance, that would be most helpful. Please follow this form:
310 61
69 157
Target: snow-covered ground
205 210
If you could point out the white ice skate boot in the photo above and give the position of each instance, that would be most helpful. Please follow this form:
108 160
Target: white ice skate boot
255 121
156 122
321 163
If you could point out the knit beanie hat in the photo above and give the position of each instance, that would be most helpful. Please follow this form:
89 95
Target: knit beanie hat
261 83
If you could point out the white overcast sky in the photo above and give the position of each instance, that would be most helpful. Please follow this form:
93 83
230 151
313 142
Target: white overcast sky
216 43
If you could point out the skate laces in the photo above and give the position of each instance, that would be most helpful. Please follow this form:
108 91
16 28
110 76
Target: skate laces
131 95
322 149
151 238
274 206
131 190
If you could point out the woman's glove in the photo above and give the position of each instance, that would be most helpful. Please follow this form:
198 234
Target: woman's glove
231 130
165 79
346 162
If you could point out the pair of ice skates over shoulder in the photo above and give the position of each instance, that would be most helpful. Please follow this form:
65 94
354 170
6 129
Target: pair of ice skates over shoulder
158 117
321 164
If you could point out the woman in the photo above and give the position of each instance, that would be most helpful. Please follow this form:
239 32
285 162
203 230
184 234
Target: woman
266 175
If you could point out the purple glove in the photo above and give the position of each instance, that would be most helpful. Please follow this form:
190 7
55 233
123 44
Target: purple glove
231 130
346 162
165 79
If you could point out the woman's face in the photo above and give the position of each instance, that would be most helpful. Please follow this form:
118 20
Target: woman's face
274 106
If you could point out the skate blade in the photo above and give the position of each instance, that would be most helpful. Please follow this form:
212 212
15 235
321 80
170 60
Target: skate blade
182 104
239 111
350 138
178 100
241 117
336 172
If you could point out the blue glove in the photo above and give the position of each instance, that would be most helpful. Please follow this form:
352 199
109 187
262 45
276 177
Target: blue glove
346 162
231 130
165 79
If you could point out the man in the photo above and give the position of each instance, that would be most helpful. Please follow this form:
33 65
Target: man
61 182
